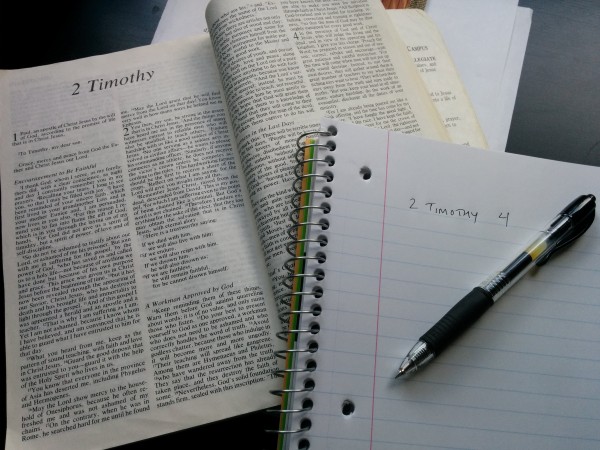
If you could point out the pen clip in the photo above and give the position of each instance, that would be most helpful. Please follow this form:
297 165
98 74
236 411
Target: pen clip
569 237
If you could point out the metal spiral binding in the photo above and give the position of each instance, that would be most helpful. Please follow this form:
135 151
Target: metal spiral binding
307 184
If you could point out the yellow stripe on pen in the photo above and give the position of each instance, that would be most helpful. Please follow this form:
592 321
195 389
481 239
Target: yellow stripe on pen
537 248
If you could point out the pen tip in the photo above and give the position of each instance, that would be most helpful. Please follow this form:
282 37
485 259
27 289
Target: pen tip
403 370
407 367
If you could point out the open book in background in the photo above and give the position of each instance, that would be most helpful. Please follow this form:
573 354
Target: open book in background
486 40
409 226
182 18
145 204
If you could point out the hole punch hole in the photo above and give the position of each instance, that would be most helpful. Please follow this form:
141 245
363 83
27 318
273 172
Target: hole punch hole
309 384
305 424
347 407
314 328
365 173
311 366
316 310
332 129
319 274
303 444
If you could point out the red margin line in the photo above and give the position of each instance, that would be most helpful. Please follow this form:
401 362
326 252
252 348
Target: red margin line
387 158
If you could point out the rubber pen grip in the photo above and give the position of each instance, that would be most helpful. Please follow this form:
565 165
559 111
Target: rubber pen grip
458 319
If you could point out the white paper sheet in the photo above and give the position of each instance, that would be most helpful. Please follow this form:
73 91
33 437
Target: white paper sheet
181 18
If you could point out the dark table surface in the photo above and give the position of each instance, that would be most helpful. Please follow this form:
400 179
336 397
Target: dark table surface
556 116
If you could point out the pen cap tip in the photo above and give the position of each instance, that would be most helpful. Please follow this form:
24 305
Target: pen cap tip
581 213
580 209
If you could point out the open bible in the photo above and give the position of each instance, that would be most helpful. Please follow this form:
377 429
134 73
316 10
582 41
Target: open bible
145 203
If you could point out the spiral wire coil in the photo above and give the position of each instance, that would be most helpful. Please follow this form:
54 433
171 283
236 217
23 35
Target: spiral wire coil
311 179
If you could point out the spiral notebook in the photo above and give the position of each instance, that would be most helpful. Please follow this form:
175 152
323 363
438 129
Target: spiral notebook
395 230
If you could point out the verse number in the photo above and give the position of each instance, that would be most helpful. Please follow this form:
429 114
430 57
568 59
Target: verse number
76 86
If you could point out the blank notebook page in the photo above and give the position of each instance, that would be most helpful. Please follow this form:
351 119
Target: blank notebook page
433 221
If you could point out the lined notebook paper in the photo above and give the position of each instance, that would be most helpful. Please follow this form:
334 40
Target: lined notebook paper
414 225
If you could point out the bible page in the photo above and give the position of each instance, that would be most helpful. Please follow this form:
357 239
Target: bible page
284 64
137 302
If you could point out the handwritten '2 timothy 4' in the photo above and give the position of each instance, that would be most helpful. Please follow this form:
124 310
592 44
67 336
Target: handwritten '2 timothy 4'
442 210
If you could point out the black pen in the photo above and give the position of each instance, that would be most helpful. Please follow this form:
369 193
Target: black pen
567 226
